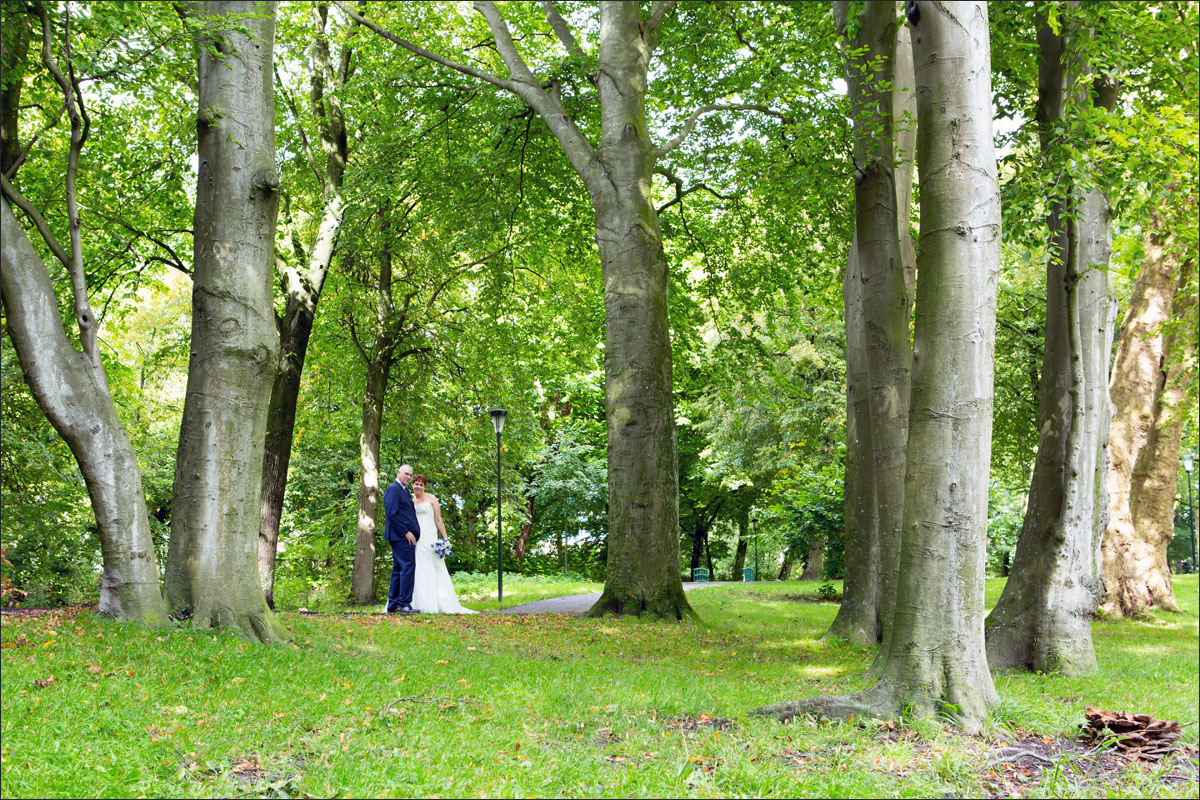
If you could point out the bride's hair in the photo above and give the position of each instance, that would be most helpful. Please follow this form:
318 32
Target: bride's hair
420 478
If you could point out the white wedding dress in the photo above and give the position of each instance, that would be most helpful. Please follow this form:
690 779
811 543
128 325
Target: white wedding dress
433 592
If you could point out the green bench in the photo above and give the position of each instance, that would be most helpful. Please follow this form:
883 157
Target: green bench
699 574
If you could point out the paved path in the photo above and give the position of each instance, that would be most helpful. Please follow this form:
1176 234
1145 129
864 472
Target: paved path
580 603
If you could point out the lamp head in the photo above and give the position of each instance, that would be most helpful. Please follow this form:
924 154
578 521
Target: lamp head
498 415
1188 464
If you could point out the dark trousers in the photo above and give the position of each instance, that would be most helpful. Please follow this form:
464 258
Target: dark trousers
400 590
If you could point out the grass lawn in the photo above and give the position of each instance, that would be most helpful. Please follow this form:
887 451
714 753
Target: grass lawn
499 705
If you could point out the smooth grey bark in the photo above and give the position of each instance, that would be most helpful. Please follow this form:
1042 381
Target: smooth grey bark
379 361
70 386
936 661
877 294
212 566
302 283
71 389
1043 619
643 545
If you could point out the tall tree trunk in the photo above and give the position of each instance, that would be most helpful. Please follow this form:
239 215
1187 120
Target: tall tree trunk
526 529
697 548
14 48
643 542
72 391
643 464
379 366
936 662
789 560
858 619
879 295
212 570
1043 620
302 285
70 385
1152 488
1133 557
739 553
813 560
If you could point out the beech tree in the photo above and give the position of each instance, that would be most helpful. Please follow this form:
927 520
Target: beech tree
1149 376
303 268
70 384
877 293
212 567
936 661
643 546
1043 620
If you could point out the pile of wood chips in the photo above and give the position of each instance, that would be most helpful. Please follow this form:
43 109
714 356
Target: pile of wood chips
1139 735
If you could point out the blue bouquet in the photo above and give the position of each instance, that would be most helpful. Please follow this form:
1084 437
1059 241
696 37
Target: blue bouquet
442 548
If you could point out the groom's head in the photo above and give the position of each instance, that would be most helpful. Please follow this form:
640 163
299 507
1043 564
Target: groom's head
404 475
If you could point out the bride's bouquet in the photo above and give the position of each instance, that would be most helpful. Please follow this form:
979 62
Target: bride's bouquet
441 548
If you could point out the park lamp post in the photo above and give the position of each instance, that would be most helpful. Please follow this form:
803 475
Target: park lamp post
1189 464
498 415
754 522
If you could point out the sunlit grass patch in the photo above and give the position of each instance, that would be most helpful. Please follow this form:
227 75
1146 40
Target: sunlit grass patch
520 706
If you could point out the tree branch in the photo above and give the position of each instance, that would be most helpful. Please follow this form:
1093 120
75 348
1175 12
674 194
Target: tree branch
563 31
681 193
39 221
79 131
658 13
436 58
709 109
308 150
525 85
20 159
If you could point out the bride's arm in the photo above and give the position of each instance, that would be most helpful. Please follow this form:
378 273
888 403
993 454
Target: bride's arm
437 517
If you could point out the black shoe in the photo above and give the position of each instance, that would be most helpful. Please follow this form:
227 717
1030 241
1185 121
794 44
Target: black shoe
407 610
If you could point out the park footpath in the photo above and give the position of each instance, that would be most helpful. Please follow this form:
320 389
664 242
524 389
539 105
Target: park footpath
579 603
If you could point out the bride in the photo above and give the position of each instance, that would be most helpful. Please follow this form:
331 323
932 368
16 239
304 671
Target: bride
433 592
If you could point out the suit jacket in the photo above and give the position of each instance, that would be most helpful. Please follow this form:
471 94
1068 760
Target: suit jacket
401 516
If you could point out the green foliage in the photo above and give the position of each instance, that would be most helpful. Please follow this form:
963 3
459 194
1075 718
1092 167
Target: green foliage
1006 512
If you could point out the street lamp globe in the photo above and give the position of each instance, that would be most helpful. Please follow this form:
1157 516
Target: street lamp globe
498 415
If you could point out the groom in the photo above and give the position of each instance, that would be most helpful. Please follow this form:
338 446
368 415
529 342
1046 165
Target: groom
403 530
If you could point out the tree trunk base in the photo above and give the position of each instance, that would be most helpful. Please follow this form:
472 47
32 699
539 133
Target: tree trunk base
857 632
669 604
256 626
883 701
140 603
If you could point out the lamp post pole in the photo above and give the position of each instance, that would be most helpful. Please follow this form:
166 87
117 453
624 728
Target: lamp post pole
1188 465
754 522
498 415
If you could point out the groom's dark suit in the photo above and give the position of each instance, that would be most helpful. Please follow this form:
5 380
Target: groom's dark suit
401 518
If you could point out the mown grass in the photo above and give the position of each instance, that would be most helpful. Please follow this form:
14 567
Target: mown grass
500 705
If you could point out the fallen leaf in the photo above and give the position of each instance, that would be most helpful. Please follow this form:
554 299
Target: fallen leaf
42 683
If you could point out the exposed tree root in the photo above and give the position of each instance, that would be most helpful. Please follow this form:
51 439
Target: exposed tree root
672 604
874 703
256 626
